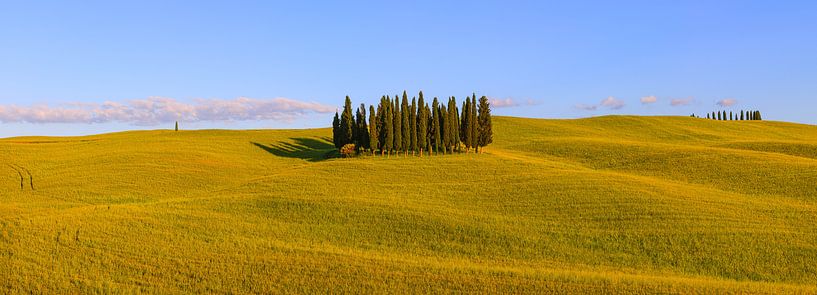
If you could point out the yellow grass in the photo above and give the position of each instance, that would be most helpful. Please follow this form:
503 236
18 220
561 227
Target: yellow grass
601 205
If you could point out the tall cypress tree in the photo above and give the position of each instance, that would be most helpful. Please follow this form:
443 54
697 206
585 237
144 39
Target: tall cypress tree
759 116
388 118
362 129
347 124
406 127
731 118
336 137
719 116
453 113
714 117
373 136
422 124
398 125
444 133
707 115
413 125
473 121
486 133
741 115
436 126
724 115
465 125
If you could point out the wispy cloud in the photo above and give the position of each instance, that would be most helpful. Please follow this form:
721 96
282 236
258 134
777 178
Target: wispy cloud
727 102
678 102
609 102
613 103
649 99
157 110
587 107
510 102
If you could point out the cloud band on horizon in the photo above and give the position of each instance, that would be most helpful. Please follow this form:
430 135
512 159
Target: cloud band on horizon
157 110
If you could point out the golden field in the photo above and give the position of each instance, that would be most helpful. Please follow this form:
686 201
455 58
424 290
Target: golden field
601 205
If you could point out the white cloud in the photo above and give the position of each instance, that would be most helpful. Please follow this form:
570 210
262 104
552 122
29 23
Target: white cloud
156 110
503 102
649 99
727 102
587 107
612 102
677 102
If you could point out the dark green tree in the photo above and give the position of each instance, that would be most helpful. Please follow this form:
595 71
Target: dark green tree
465 124
398 125
422 124
404 123
758 116
719 116
486 133
724 115
707 116
362 129
413 125
347 124
336 137
436 126
741 115
454 114
177 125
444 132
731 117
474 122
373 136
388 134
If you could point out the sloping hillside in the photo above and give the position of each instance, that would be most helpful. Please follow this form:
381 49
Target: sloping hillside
608 204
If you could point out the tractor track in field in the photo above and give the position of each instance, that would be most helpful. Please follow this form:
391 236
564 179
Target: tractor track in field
20 169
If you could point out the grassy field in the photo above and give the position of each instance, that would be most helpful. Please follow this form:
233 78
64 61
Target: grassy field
608 204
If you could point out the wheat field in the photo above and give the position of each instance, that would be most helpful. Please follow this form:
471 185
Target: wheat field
601 205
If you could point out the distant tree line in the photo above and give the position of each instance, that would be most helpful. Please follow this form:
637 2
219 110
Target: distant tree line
400 126
742 116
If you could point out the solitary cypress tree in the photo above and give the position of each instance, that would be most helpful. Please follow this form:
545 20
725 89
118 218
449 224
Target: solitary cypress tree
486 133
347 124
436 132
422 124
177 125
373 136
413 125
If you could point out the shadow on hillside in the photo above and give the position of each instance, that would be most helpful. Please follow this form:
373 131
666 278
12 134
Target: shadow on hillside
310 149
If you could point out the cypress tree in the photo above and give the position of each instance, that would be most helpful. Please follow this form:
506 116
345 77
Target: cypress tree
719 116
465 125
741 115
413 125
486 133
177 125
731 118
444 133
707 115
347 124
436 132
474 122
422 124
388 135
373 136
724 115
759 117
398 125
362 129
336 138
406 127
454 113
714 117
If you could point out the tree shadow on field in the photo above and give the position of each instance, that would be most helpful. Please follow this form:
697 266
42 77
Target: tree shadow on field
309 149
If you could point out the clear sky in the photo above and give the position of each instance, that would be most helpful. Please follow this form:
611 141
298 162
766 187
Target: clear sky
97 66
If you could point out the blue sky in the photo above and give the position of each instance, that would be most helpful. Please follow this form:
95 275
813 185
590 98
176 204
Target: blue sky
543 59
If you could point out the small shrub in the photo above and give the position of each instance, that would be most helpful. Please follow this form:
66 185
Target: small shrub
347 150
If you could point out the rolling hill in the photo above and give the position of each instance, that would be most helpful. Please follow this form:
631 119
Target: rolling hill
608 204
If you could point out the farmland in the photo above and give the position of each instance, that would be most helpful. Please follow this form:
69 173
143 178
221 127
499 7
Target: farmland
608 204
